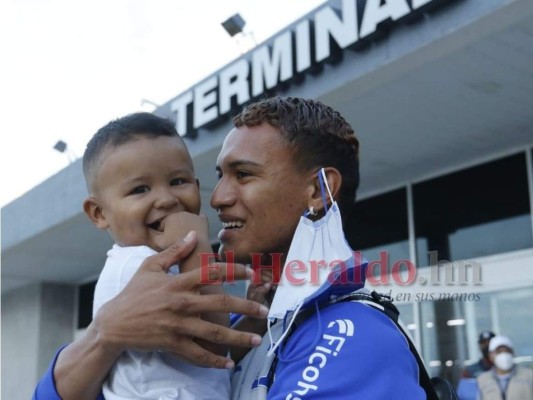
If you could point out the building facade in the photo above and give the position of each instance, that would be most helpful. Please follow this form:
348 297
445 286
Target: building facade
440 96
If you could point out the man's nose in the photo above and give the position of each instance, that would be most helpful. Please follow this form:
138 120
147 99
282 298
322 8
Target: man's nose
223 195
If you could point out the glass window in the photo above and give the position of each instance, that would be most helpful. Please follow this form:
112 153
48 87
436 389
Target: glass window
407 318
85 304
474 212
504 313
450 329
443 337
429 343
508 312
378 228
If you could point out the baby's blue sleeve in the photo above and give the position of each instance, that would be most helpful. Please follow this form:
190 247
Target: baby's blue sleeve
347 351
46 387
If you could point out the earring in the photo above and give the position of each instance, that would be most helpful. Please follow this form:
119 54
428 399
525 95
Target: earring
311 211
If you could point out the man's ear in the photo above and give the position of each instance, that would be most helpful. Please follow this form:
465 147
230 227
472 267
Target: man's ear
95 212
334 179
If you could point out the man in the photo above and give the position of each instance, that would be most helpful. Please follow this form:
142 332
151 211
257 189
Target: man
274 167
484 363
505 381
268 179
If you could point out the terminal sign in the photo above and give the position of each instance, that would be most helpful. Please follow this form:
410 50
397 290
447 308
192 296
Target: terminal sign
319 38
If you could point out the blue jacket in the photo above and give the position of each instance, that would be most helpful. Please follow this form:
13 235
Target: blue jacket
349 350
46 388
343 350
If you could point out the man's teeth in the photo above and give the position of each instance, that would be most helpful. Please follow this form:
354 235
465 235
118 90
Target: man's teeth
231 225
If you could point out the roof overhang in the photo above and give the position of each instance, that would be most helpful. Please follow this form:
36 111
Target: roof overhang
448 92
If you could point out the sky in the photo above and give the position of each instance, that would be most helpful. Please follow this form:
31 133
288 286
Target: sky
69 66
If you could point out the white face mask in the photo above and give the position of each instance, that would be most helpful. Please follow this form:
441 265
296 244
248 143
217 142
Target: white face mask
319 262
315 248
504 361
318 257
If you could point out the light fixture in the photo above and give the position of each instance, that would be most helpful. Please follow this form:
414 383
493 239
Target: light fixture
62 147
234 24
455 322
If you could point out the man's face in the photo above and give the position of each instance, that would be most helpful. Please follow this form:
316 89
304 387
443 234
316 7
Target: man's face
260 195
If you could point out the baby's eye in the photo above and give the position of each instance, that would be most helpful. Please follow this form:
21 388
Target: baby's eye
140 189
177 181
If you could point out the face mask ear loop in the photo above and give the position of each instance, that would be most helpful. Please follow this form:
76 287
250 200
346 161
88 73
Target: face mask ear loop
322 179
269 325
322 191
274 346
311 347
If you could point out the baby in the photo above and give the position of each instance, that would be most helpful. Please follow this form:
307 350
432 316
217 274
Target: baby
143 190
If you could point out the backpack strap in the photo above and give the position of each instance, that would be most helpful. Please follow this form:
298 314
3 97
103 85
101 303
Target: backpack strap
383 303
389 309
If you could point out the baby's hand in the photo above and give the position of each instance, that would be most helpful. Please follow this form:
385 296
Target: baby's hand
261 293
176 226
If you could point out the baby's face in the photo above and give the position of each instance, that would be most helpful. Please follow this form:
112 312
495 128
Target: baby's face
141 182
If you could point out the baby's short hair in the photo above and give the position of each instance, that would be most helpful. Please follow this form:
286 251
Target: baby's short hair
123 130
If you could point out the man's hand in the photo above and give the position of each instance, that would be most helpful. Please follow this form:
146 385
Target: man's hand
156 311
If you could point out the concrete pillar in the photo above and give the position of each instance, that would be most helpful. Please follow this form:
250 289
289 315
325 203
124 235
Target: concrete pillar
36 320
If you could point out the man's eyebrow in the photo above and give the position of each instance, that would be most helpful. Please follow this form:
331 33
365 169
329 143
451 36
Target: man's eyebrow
240 163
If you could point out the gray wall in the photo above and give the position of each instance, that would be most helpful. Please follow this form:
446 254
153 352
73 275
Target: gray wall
36 320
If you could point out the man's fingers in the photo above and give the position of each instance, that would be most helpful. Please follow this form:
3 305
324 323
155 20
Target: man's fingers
212 274
200 356
190 303
172 255
193 304
219 334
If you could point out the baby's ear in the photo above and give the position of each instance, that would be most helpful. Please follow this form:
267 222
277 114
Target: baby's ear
95 212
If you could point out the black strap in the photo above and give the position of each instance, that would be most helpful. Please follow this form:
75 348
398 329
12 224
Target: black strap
436 388
392 312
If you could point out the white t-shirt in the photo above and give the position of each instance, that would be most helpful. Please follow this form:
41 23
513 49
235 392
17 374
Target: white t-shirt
151 375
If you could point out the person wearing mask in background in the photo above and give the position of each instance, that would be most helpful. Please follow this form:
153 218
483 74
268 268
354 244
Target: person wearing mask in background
484 363
505 381
467 386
